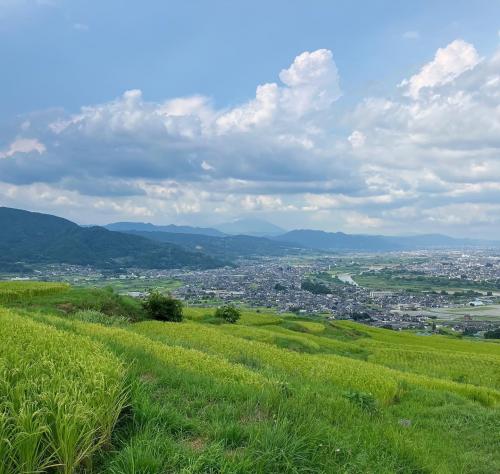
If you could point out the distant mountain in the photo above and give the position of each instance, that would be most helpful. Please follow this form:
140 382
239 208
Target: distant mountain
338 241
172 228
250 226
31 238
225 248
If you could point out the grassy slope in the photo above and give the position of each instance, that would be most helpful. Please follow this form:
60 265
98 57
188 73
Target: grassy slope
279 394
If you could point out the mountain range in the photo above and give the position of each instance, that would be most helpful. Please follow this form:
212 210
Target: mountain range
247 243
243 226
35 238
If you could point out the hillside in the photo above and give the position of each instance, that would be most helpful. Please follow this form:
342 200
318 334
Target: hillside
34 238
226 248
270 394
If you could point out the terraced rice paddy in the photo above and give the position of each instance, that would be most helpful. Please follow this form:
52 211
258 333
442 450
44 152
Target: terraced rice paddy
270 394
13 290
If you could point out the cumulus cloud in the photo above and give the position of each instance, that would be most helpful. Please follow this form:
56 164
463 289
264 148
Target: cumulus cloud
439 150
426 158
280 135
448 63
311 85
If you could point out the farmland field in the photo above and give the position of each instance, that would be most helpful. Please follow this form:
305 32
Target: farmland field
387 280
137 284
90 385
478 313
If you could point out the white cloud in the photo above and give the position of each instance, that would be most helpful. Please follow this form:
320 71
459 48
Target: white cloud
448 63
311 85
357 221
357 139
23 145
206 166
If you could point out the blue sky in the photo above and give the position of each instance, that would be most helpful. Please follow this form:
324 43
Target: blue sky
342 143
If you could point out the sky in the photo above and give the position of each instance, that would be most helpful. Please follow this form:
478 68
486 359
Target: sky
374 116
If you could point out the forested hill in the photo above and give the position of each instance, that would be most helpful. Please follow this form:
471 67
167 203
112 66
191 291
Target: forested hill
32 237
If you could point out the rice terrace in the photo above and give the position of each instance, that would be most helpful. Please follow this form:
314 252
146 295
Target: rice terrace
85 389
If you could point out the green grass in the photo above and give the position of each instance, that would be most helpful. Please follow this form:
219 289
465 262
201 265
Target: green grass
270 394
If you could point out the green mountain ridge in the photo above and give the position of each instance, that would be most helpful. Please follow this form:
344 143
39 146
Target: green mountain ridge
31 237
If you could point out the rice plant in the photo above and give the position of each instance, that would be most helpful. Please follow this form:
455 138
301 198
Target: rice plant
16 290
60 396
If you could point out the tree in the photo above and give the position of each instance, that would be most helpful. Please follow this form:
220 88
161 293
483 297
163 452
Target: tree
493 334
317 288
228 313
162 308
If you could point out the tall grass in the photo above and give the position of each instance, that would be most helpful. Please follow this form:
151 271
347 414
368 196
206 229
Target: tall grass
17 290
385 383
60 396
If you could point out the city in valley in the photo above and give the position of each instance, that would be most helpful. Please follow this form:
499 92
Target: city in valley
441 291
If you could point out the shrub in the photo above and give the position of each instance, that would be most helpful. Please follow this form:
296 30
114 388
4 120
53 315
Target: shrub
228 313
366 401
162 308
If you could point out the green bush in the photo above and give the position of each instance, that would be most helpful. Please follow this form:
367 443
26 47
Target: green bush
162 308
366 401
228 313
